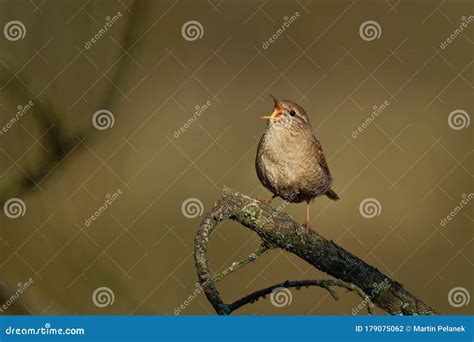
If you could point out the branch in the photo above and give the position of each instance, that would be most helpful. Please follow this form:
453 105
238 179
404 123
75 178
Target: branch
326 284
255 296
15 306
277 229
239 264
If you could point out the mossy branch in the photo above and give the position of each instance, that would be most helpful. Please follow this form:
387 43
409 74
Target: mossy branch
239 264
278 230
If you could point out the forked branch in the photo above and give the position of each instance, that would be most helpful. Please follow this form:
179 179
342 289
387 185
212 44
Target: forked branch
278 230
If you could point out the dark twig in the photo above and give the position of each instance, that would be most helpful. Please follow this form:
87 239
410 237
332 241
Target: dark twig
326 284
60 145
278 230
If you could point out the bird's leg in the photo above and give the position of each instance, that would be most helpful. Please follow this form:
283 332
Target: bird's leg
306 223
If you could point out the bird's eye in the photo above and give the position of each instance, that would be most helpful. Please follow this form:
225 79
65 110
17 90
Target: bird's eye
292 113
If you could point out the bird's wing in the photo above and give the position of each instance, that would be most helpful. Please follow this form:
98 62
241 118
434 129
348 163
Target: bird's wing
321 158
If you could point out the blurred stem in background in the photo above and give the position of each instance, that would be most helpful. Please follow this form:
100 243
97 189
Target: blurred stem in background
60 144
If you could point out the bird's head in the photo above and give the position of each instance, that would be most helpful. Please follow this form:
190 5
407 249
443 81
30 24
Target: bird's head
287 114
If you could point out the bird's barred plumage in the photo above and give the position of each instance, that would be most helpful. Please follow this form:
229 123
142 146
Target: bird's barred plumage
290 161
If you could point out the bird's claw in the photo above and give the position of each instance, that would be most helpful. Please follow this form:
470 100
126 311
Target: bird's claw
265 200
307 227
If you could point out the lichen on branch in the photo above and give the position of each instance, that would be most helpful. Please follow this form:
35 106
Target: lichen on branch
278 230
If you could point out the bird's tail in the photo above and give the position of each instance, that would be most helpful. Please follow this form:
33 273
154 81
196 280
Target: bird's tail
332 195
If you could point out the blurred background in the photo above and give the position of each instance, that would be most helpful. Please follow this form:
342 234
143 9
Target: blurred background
122 121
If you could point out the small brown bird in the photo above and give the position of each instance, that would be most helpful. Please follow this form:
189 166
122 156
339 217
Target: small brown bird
290 160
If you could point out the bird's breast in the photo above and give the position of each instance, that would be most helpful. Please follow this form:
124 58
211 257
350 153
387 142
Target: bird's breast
287 164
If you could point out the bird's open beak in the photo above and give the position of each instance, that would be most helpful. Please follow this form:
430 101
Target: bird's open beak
276 110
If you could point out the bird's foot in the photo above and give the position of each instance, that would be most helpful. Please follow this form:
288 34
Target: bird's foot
265 200
307 227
